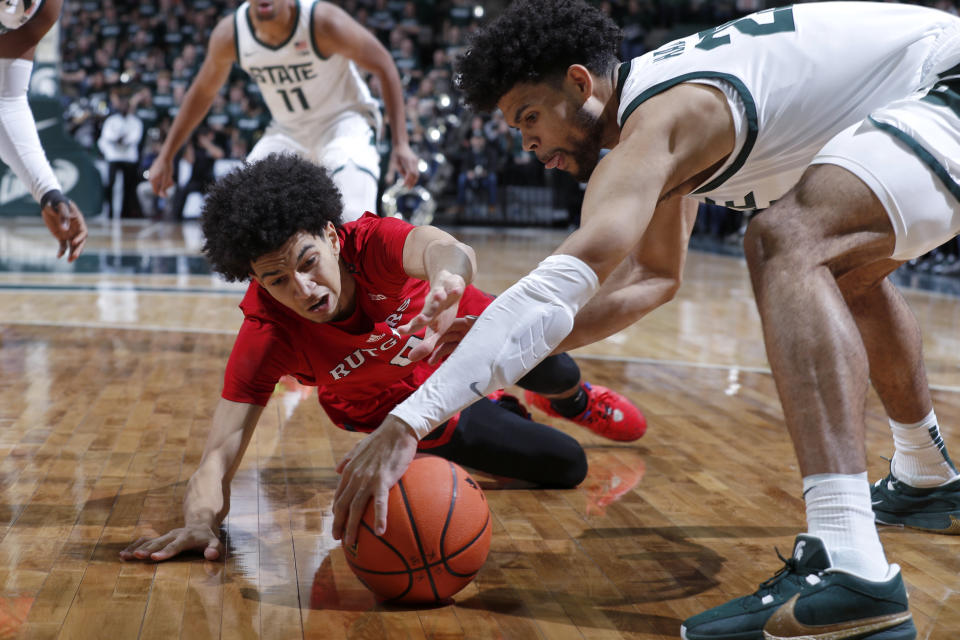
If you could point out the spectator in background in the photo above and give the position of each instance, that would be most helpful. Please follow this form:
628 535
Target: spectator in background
150 203
201 154
163 94
478 171
119 143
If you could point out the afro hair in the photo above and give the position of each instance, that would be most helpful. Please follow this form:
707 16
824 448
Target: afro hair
256 208
535 41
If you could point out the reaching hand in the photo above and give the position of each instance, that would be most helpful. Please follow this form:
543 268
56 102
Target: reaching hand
439 345
66 223
370 470
405 162
160 175
175 542
438 315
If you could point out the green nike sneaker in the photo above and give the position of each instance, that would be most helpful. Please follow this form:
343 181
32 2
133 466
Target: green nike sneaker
935 509
807 599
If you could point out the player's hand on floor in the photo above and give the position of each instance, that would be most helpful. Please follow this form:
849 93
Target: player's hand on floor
175 542
67 225
405 162
368 472
438 314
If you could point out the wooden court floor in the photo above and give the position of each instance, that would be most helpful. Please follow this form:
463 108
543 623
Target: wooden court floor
109 375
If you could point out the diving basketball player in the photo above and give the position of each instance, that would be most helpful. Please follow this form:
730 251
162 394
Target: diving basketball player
329 303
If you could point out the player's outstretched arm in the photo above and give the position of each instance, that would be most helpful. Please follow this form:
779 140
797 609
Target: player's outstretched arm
221 54
449 266
648 278
667 145
207 500
336 32
19 141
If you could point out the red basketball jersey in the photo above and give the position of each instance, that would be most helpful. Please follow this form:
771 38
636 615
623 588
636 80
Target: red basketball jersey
358 364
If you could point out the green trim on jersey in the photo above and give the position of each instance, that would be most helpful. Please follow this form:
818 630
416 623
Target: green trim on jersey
253 32
944 95
622 74
358 167
925 156
236 38
749 105
951 72
313 36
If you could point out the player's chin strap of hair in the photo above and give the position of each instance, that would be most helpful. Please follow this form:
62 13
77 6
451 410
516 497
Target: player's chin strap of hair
520 328
19 143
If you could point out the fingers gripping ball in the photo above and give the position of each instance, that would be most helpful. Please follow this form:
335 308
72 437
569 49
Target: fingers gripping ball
437 537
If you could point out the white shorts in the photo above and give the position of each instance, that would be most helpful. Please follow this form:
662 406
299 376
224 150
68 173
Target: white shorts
908 154
347 149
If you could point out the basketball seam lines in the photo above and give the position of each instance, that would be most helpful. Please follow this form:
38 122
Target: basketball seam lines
409 570
416 536
443 534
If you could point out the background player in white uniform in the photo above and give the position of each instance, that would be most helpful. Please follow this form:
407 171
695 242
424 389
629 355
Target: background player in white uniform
22 24
842 113
301 54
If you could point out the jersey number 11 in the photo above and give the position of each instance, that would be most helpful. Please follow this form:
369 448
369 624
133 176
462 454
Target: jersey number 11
297 92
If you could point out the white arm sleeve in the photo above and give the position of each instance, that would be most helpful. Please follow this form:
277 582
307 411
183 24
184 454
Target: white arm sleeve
517 331
19 142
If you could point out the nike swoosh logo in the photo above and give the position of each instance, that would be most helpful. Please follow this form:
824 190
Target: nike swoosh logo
46 124
783 625
876 502
475 388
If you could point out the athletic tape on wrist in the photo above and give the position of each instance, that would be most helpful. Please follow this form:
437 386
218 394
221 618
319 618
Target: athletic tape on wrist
517 331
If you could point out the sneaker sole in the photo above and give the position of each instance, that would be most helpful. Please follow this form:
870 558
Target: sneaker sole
943 523
903 631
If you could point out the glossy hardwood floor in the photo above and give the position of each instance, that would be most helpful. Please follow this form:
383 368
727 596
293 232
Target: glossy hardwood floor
109 373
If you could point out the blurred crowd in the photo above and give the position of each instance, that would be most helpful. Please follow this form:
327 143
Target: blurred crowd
127 64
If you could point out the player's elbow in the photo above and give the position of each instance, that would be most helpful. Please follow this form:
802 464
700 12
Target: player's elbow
669 288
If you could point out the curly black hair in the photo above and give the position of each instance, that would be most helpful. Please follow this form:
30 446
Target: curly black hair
535 41
256 208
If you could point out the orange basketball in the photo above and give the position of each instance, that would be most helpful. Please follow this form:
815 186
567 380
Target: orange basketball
437 537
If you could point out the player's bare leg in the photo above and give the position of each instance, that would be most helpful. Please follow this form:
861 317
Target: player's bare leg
829 229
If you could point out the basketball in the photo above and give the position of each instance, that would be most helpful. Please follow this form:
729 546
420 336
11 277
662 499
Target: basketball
437 537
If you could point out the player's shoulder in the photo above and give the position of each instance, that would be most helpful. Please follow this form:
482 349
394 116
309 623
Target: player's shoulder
223 35
326 16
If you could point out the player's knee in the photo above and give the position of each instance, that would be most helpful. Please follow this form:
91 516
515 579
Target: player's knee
556 374
774 240
574 470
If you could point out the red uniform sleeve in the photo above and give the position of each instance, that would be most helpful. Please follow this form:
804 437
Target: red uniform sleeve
261 354
375 246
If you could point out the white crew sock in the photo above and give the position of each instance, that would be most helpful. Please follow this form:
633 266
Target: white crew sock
921 458
839 513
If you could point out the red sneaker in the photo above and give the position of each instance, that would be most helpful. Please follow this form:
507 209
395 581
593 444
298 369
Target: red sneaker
510 403
608 413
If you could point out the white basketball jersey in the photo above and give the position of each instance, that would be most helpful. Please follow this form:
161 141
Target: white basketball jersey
795 77
302 89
